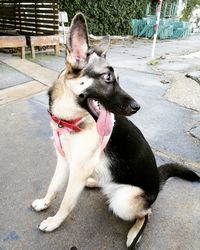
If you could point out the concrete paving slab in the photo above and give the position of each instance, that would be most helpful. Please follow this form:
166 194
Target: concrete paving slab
183 90
41 98
141 48
176 66
121 57
37 72
10 77
53 62
25 139
23 90
182 63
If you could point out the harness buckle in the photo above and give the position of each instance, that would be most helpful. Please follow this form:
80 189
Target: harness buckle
59 124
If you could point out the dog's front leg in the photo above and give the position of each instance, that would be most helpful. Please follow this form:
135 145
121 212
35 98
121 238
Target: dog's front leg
76 184
57 183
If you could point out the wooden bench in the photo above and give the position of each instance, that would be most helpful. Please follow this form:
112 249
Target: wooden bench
44 41
14 42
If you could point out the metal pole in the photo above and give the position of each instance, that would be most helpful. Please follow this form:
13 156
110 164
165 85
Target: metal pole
156 28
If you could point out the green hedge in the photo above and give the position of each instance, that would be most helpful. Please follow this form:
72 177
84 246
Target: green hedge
106 17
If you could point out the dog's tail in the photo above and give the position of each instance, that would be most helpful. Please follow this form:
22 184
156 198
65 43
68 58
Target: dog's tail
176 170
165 172
135 232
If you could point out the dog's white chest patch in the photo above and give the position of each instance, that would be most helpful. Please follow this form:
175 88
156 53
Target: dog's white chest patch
101 172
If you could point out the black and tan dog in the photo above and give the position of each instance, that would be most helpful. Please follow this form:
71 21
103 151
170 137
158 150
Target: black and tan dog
96 144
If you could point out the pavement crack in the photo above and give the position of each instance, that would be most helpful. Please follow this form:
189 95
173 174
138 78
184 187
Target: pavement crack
195 131
176 158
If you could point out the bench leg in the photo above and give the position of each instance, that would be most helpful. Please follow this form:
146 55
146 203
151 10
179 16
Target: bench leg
23 52
33 52
57 51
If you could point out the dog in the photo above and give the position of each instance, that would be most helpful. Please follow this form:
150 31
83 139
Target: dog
96 144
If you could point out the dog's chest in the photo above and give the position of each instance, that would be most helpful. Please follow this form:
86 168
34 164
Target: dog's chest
79 144
84 149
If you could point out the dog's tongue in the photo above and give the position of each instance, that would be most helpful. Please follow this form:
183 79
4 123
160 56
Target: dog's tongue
105 122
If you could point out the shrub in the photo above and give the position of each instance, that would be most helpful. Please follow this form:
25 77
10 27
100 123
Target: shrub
106 17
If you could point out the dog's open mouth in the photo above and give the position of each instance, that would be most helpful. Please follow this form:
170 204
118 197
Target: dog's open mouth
105 119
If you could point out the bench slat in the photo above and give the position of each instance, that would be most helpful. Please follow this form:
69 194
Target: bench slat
44 40
12 41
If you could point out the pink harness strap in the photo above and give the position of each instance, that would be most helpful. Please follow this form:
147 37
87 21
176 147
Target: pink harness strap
58 144
71 127
57 141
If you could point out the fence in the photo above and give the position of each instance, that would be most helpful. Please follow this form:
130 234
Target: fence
170 26
29 17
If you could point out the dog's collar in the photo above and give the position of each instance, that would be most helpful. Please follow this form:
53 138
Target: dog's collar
67 124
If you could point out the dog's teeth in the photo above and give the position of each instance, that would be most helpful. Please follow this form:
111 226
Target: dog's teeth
96 105
95 102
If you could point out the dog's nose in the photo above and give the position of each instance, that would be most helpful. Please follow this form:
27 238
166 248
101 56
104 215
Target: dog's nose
134 106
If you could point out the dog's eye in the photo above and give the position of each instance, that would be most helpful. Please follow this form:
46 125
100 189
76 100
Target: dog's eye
108 77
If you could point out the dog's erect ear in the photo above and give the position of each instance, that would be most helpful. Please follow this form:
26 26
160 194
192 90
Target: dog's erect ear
78 42
102 48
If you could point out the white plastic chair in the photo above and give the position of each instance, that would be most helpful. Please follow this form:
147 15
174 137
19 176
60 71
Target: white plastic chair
63 18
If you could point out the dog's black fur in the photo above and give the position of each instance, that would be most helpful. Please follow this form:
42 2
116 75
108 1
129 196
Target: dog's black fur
132 159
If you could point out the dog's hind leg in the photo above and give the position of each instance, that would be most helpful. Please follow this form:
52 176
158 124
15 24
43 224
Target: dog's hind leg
57 183
135 233
128 202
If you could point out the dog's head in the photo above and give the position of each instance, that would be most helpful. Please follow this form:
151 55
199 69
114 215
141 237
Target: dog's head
91 79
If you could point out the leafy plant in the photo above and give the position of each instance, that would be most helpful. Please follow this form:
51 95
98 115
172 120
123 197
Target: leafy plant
106 17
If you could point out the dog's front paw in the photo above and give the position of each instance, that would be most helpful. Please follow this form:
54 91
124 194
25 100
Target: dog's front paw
39 205
50 224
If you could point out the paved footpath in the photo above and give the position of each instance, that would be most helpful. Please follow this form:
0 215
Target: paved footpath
168 120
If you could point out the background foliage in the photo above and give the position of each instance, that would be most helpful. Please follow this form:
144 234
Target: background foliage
111 17
188 10
106 17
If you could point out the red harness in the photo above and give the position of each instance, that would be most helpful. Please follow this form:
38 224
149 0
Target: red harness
64 127
67 124
70 127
